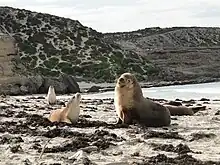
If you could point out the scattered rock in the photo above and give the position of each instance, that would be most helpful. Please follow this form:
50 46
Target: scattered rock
180 148
200 135
7 139
175 103
182 159
24 89
94 89
204 99
14 90
80 158
218 112
136 154
164 135
90 149
189 101
38 84
16 148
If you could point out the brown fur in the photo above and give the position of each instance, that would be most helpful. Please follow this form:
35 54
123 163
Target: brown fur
183 110
59 115
68 114
131 105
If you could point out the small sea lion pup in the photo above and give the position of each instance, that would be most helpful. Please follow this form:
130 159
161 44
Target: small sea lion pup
183 110
131 105
51 95
68 114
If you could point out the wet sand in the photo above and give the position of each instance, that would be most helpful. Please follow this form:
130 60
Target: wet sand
96 139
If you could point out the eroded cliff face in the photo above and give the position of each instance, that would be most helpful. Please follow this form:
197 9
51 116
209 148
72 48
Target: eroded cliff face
7 52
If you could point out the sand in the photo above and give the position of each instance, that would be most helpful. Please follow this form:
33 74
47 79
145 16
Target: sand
96 139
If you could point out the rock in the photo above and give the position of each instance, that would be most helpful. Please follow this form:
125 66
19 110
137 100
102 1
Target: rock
90 149
204 99
59 86
19 85
218 112
80 158
24 89
94 89
26 162
34 83
62 84
14 90
175 103
16 148
4 106
70 82
189 101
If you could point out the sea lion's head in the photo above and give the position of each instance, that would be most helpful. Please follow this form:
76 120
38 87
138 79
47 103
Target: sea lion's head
51 88
78 97
75 100
126 80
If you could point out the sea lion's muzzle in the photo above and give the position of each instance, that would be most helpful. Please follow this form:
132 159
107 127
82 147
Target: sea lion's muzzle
121 82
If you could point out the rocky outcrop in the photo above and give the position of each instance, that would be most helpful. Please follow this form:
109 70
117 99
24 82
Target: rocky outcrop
21 85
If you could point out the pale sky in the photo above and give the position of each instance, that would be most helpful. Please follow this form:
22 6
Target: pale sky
128 15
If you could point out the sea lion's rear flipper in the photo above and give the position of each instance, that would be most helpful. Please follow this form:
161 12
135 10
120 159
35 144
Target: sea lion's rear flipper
198 108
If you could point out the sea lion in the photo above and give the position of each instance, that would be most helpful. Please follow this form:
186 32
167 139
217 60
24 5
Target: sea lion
183 110
68 114
131 105
51 95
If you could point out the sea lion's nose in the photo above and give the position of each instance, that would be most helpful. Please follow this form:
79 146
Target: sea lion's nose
121 79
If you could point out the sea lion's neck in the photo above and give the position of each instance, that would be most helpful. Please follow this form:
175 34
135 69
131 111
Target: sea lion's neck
73 112
125 97
138 94
71 108
51 92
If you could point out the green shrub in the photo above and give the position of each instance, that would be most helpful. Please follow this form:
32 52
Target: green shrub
20 15
27 47
33 21
62 36
51 62
78 40
42 56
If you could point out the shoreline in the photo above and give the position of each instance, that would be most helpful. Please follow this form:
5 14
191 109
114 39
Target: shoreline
84 86
104 87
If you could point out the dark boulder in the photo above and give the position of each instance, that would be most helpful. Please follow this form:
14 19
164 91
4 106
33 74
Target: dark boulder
94 89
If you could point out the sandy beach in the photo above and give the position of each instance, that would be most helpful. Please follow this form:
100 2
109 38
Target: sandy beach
96 139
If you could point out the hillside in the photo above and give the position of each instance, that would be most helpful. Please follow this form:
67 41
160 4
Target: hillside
49 45
191 52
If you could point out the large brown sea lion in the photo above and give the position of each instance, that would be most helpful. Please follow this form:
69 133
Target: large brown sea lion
131 105
68 114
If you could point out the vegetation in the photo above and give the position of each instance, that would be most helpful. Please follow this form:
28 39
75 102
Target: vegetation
49 45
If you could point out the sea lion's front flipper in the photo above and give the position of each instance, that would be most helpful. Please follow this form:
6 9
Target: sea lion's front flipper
66 120
119 121
127 117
